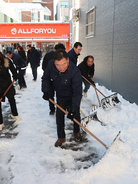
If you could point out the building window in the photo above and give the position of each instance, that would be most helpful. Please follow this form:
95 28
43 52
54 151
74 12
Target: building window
20 16
11 20
65 4
90 22
5 18
46 17
34 16
66 19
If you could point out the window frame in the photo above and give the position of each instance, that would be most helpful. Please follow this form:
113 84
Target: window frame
64 4
34 16
93 11
46 17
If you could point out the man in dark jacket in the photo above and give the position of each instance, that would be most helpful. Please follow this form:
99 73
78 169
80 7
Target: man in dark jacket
75 52
48 58
67 82
50 55
33 57
20 67
5 81
86 68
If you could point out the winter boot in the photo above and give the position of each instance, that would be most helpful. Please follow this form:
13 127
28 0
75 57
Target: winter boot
1 126
59 142
17 118
78 136
51 112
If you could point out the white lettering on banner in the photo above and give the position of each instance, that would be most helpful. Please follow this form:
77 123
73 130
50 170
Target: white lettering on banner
36 31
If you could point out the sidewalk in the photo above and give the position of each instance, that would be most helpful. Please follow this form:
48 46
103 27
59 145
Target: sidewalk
31 157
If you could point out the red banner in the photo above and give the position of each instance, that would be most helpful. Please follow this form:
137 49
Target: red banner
34 30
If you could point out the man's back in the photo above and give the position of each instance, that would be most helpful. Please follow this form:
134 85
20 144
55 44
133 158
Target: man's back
18 61
73 56
33 57
49 56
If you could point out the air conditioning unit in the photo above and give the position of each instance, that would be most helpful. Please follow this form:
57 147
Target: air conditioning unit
74 14
77 14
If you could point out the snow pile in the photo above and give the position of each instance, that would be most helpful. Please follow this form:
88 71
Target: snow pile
31 157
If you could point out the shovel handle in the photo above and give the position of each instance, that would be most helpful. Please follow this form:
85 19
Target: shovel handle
7 90
97 97
93 86
82 113
79 123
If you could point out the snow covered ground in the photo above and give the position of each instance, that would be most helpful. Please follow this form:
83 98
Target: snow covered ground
31 157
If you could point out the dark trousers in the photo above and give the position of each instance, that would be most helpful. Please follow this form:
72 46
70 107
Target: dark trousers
51 105
34 72
13 108
86 85
60 117
21 79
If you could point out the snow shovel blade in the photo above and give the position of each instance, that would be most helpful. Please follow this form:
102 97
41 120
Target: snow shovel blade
110 101
94 108
115 140
94 117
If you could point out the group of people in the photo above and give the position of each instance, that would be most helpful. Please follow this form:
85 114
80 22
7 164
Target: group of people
63 76
15 63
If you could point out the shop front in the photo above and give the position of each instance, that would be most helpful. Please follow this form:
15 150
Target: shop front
41 35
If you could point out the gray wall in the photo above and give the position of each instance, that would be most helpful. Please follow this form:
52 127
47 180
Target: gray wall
115 44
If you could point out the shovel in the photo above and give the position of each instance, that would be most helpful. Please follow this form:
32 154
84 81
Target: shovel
84 128
107 102
93 116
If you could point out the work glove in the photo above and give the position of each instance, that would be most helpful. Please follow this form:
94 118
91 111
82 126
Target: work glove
71 115
46 96
92 82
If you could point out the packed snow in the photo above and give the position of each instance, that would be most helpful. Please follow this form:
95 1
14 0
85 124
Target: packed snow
31 157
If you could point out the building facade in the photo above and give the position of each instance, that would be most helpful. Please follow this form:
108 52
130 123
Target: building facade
108 31
18 1
50 5
5 19
62 10
26 12
45 3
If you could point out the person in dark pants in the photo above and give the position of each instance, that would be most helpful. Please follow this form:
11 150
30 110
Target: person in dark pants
75 52
67 82
48 58
20 67
21 52
33 57
87 69
5 81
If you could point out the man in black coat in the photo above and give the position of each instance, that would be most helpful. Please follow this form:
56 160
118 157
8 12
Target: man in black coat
5 81
33 57
65 78
50 55
48 58
75 52
20 66
87 69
